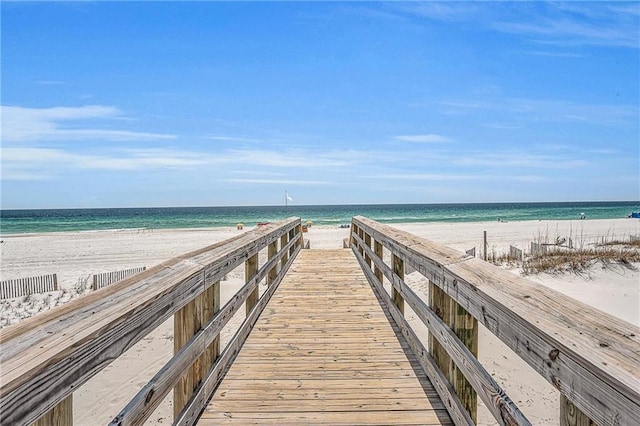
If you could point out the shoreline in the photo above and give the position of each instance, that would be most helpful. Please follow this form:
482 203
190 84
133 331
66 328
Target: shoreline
315 226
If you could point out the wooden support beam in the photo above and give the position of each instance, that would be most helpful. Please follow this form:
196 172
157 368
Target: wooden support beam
284 240
571 416
59 415
299 237
250 269
186 323
398 269
466 328
292 235
367 241
272 250
377 248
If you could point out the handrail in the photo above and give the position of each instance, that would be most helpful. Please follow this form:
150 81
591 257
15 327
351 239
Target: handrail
45 358
591 357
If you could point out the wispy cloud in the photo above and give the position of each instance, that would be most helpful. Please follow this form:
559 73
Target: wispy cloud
45 163
549 110
277 181
21 124
449 177
233 139
441 11
428 138
523 160
554 23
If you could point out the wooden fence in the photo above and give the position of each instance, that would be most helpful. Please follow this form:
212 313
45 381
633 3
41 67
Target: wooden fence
108 278
591 357
515 253
44 359
24 286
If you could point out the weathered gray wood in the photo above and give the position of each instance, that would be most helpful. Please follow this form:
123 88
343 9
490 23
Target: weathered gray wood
367 242
199 400
494 397
590 356
46 357
152 394
250 270
571 416
398 270
485 246
377 250
271 252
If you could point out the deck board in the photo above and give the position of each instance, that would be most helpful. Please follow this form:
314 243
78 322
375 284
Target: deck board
324 352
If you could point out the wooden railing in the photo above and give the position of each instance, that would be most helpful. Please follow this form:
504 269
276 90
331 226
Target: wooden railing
44 359
591 357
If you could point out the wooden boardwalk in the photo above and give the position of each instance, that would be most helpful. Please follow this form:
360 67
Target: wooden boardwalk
324 352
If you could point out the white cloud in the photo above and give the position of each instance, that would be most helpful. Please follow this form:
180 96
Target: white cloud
232 139
548 110
428 138
519 159
278 181
444 177
20 124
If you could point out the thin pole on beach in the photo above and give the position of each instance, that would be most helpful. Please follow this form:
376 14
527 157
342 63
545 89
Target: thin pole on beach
484 250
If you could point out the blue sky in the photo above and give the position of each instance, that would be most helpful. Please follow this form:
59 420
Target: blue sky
118 104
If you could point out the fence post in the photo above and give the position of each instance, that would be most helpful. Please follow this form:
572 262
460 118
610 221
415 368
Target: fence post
284 239
377 249
186 323
466 328
398 269
272 250
354 230
484 245
210 305
250 269
60 415
570 415
367 241
299 236
292 235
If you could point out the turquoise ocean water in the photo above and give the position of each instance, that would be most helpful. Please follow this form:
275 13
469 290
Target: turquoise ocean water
56 220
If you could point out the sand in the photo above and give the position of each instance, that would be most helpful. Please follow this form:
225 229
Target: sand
74 256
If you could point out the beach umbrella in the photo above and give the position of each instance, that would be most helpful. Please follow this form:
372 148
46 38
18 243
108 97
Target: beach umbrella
309 223
239 225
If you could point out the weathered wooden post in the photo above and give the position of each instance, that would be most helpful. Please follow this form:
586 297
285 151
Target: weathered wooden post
284 239
367 241
377 249
398 269
485 246
272 250
60 415
570 415
354 230
186 323
466 328
250 269
299 236
292 235
361 235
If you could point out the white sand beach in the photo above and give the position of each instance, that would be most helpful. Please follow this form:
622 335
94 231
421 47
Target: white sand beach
74 256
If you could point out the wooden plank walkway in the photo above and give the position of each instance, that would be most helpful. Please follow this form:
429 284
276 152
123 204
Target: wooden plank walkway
324 352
